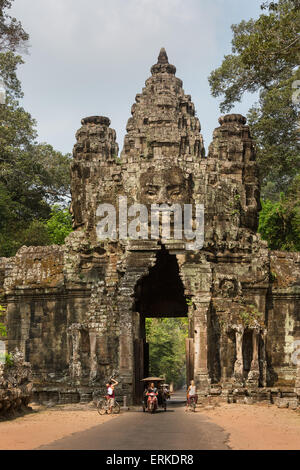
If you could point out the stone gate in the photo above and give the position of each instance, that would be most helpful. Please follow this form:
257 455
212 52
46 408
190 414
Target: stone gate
77 311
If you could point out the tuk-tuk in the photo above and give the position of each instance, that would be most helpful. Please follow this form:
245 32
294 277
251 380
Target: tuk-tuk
161 398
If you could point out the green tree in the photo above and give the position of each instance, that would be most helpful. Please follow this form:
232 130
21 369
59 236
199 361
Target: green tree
36 234
279 221
59 225
33 176
166 338
49 232
12 34
265 59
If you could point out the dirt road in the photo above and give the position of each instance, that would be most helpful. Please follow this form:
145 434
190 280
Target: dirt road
78 426
171 430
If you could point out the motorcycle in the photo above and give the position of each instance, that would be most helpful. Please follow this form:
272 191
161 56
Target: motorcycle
152 402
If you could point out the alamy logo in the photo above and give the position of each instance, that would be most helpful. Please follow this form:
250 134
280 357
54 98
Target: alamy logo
2 352
162 221
296 353
2 92
296 93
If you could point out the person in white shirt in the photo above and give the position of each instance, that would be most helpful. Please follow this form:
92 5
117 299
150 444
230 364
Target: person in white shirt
191 393
110 396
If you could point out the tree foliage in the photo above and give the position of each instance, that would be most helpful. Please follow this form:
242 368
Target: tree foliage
166 338
265 59
12 34
33 176
264 52
59 225
52 231
274 122
279 221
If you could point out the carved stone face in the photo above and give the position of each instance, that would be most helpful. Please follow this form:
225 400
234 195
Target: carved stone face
228 287
168 186
76 213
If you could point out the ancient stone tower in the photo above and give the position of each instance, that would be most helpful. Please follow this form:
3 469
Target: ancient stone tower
78 311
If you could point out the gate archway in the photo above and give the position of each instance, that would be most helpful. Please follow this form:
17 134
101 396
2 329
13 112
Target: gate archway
159 294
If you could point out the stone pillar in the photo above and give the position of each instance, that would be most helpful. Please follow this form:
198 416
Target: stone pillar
197 351
201 375
197 281
75 363
126 363
25 329
297 381
253 376
2 353
262 359
238 373
93 357
224 356
126 352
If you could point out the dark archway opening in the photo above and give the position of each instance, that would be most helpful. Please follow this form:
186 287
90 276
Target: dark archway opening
159 295
247 351
161 292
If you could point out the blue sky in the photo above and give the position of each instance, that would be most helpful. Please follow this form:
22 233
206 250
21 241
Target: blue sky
92 57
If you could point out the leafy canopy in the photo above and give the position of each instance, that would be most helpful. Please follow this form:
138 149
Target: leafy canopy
279 222
59 225
166 338
33 176
264 52
265 59
12 34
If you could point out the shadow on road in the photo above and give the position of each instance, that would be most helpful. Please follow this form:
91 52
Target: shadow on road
158 411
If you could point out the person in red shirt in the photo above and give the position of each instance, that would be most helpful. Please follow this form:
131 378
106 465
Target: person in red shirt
110 394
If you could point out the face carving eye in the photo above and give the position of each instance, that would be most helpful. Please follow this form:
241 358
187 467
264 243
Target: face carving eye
151 191
174 191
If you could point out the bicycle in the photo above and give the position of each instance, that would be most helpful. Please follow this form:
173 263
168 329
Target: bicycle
103 407
191 404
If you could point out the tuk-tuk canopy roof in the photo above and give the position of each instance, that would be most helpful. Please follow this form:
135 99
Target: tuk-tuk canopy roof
153 379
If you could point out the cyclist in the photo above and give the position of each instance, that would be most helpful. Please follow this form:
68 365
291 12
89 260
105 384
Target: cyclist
191 393
110 394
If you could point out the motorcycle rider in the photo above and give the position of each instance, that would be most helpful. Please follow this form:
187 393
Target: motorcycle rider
149 388
152 388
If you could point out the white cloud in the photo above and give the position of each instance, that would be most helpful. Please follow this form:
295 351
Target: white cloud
92 57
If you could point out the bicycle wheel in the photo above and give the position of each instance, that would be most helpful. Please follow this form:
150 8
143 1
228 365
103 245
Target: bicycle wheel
101 407
116 408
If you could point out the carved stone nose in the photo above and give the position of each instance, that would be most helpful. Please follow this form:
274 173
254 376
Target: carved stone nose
162 196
